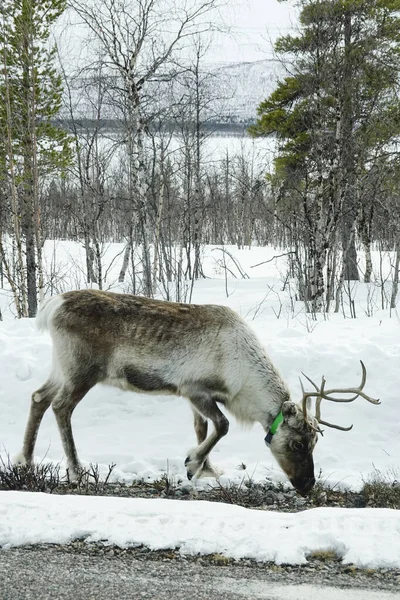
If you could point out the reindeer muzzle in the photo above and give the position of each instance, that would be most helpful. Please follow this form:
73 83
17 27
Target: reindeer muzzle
303 487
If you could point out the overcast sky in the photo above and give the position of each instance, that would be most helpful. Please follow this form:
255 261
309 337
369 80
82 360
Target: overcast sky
254 24
252 27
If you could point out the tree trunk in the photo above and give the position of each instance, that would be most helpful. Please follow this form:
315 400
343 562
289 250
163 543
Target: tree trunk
125 261
157 232
89 253
350 268
395 287
18 282
364 229
30 265
348 180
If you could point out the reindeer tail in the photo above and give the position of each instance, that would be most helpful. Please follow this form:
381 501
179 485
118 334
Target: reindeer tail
46 312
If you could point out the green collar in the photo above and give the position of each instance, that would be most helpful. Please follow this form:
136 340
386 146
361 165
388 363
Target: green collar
272 430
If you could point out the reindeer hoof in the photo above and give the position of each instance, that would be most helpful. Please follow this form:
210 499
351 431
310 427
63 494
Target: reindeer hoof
189 473
192 466
21 461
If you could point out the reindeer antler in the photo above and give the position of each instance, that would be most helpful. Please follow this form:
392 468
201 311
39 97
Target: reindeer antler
322 394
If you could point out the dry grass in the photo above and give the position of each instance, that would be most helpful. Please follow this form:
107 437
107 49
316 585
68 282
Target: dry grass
323 555
379 490
382 490
29 478
45 477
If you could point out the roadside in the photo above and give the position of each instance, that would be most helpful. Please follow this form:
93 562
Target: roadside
92 571
82 570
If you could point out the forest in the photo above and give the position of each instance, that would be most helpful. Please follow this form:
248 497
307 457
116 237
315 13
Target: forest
115 144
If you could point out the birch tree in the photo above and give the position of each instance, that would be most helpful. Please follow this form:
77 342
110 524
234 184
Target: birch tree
142 41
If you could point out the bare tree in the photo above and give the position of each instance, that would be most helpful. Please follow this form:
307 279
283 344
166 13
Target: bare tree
141 40
94 151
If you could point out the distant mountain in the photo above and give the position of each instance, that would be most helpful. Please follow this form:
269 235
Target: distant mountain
230 95
247 84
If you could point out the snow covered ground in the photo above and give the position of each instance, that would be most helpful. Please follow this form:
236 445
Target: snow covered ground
364 537
147 436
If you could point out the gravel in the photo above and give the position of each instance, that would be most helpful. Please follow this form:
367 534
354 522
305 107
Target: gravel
94 571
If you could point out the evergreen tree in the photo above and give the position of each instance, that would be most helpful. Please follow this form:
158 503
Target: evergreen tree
333 118
31 145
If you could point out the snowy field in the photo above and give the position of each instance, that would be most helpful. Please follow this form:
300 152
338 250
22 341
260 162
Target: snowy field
147 436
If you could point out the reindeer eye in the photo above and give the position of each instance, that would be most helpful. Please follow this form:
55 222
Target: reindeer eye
298 446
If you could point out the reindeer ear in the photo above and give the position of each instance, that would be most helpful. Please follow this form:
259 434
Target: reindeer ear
289 408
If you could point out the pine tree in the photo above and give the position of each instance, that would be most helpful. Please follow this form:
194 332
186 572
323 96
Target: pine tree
333 117
32 146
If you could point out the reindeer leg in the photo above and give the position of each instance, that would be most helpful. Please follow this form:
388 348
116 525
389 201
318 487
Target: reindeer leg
206 405
41 400
200 427
63 407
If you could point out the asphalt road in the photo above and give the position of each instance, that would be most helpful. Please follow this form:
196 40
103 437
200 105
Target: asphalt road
43 574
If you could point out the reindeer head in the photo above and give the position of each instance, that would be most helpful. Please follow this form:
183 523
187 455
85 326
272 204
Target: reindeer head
292 446
293 435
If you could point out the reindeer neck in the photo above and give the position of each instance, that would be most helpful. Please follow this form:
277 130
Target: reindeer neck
263 394
277 394
275 390
265 390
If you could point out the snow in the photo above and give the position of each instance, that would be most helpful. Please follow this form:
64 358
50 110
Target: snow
364 537
147 436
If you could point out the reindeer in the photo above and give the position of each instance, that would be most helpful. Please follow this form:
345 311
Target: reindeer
206 353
